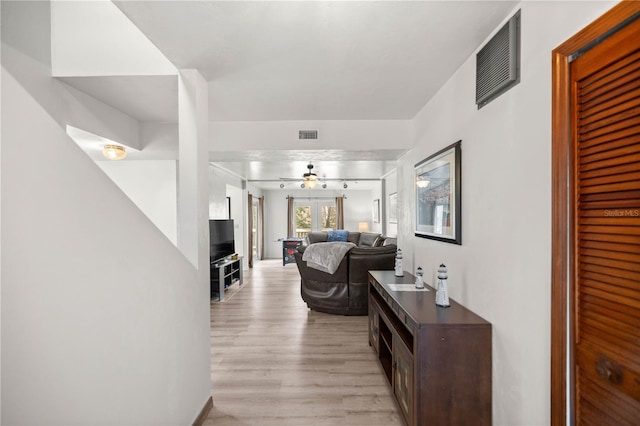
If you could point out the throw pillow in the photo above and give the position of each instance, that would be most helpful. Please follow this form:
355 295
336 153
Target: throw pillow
337 235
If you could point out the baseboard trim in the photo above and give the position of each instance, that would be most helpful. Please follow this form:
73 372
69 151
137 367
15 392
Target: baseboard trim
199 421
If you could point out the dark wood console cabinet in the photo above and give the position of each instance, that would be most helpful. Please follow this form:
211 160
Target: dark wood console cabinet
437 360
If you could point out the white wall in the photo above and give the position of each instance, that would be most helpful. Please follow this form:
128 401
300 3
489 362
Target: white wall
222 185
502 270
151 185
275 223
218 182
390 187
99 321
358 207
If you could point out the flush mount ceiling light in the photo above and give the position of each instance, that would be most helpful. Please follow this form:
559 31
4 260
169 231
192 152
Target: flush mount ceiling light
114 152
422 183
310 179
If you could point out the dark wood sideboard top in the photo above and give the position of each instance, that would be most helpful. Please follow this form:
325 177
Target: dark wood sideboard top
421 306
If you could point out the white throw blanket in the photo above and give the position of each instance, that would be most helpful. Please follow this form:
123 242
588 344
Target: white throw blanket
326 257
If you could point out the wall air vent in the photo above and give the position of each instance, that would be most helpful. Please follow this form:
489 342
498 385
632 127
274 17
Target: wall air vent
498 63
307 135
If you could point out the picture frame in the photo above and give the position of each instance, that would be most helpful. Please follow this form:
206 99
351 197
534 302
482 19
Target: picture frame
438 187
393 208
376 210
228 207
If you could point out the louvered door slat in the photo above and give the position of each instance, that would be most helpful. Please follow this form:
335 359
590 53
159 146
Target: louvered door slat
588 149
605 407
611 229
611 172
591 82
615 273
630 257
623 154
620 107
615 327
610 279
611 162
612 86
612 336
609 312
593 294
625 383
618 123
606 315
624 208
615 199
628 132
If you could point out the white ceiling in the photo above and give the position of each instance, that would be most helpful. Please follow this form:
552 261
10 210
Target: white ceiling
268 169
301 60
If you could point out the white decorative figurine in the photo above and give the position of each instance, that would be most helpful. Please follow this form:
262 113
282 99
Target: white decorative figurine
419 282
442 295
398 269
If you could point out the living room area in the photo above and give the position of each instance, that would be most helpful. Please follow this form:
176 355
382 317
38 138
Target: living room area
367 204
222 107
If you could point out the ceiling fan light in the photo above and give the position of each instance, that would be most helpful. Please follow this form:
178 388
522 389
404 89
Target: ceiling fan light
114 152
310 178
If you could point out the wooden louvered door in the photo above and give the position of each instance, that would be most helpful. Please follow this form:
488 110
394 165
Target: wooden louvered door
606 234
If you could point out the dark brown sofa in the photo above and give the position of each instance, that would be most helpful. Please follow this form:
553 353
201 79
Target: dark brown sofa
345 291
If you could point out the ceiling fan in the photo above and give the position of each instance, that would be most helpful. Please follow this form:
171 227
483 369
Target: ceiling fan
309 179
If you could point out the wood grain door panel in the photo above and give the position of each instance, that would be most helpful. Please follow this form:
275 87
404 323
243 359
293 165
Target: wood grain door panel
606 235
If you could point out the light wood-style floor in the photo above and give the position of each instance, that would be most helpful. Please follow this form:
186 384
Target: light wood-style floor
275 362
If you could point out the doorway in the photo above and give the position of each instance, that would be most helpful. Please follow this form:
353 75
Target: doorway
255 231
595 311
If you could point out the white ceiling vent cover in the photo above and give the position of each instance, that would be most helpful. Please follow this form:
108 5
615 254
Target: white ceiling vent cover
498 63
307 135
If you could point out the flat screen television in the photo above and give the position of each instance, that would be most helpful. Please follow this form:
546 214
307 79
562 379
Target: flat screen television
221 243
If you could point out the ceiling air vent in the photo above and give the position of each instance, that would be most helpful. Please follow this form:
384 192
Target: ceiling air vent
307 135
498 63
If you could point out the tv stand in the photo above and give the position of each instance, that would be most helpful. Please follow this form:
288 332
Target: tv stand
223 274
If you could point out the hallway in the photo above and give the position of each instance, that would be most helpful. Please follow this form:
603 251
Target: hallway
274 362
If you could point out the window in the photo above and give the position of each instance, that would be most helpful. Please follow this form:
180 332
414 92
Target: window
314 215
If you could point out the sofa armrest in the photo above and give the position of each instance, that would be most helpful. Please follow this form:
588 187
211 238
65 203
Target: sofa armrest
368 239
364 259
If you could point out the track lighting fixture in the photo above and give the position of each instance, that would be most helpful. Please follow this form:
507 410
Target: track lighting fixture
345 186
281 185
